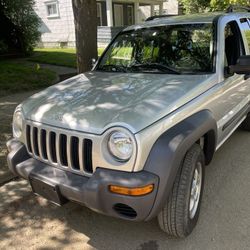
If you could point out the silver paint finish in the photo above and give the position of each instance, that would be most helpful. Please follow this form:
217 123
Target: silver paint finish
100 156
145 104
93 102
224 99
183 19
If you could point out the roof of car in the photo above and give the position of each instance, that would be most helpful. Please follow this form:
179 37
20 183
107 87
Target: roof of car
194 18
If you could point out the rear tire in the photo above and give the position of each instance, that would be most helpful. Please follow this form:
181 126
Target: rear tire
181 211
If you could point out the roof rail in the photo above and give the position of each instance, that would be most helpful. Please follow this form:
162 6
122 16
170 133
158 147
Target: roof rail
233 7
158 17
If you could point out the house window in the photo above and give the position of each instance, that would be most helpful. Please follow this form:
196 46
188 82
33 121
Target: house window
52 9
99 14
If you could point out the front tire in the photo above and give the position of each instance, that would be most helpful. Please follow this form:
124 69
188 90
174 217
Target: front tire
181 211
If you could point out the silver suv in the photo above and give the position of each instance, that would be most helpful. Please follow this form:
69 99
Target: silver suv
131 138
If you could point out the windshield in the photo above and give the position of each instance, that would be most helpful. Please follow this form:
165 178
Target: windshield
172 49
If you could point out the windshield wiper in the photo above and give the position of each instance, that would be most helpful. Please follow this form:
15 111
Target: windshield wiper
113 68
157 66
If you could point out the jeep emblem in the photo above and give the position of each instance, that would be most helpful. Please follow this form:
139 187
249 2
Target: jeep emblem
59 117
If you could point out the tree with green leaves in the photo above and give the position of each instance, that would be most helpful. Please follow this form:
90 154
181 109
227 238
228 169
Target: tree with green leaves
19 25
223 4
196 6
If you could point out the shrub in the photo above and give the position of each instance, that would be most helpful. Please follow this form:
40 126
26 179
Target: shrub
24 23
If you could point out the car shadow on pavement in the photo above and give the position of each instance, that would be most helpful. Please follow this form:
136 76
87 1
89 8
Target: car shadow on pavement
27 220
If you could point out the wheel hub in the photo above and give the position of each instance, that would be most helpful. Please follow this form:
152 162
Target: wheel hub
195 191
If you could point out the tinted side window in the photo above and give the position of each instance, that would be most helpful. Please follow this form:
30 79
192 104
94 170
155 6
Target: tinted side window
246 28
234 47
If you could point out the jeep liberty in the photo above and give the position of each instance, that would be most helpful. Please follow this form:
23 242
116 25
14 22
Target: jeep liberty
132 138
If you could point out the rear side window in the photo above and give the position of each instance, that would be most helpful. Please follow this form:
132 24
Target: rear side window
245 24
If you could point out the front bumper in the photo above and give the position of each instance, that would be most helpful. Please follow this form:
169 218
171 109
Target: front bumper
89 191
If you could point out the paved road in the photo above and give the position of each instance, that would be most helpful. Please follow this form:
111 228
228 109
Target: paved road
29 222
7 107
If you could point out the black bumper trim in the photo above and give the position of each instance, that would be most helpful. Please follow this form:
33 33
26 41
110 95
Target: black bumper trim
89 191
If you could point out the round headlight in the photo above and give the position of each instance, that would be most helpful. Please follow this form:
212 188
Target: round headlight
120 145
17 124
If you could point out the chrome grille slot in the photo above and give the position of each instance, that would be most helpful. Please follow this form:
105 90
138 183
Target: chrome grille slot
35 141
52 149
43 142
60 149
88 156
28 140
75 153
63 150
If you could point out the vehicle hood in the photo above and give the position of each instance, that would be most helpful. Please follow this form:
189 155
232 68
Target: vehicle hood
94 101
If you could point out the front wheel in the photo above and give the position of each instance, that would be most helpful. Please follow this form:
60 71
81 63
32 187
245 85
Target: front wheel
181 211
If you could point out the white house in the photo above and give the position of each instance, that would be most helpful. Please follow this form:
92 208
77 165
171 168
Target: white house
57 20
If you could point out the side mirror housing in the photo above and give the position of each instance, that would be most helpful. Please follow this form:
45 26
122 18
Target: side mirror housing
241 67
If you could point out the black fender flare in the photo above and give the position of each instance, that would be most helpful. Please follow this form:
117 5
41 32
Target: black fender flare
168 152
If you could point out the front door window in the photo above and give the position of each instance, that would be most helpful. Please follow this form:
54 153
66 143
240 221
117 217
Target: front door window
233 43
118 15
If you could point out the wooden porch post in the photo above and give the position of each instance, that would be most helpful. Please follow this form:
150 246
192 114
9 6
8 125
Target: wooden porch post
161 8
137 5
152 10
109 13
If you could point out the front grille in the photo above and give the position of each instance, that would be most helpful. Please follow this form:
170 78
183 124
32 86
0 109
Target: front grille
61 149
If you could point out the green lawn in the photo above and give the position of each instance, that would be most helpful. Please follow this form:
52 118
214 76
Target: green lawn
62 57
19 77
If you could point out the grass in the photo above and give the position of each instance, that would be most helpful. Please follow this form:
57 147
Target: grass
20 77
61 57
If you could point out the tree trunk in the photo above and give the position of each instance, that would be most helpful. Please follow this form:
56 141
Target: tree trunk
85 15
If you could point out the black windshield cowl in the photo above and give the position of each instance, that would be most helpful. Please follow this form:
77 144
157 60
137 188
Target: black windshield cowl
112 68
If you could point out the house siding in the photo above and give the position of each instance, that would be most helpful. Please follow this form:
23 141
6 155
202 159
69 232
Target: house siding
105 35
59 30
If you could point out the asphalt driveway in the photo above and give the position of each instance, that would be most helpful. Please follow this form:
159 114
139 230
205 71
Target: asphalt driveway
30 222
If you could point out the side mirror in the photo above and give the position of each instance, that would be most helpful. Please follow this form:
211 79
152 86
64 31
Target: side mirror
241 67
93 62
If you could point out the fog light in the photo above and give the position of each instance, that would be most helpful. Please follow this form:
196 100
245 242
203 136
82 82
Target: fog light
132 191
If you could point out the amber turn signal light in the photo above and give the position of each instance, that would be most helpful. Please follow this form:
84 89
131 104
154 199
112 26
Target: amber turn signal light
132 191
